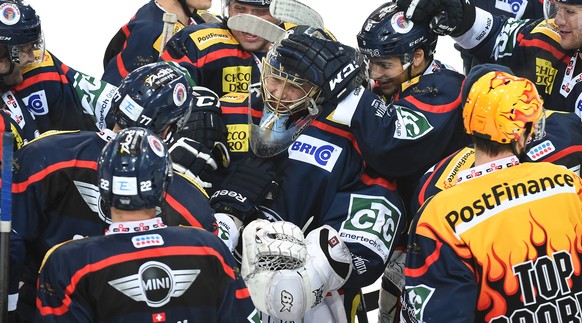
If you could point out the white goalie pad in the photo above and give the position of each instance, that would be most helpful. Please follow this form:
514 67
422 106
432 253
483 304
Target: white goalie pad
287 275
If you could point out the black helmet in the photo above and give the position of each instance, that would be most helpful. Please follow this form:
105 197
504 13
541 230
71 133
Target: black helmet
20 25
387 32
134 170
154 96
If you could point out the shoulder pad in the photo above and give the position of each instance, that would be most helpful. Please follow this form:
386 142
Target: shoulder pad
51 250
50 133
193 182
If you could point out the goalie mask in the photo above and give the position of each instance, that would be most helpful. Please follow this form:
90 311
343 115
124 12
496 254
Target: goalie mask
290 104
155 96
134 170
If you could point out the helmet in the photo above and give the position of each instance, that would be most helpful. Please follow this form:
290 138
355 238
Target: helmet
20 25
501 107
154 96
258 3
284 118
387 32
134 170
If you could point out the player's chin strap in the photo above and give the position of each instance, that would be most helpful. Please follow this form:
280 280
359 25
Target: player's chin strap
287 274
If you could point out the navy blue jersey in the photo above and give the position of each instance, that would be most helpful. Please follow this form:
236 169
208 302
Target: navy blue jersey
56 198
531 48
137 43
323 180
561 145
143 271
523 9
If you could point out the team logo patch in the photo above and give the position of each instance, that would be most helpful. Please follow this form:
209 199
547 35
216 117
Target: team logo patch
410 124
179 94
9 14
36 103
372 221
156 145
316 152
541 150
155 283
400 23
147 240
417 298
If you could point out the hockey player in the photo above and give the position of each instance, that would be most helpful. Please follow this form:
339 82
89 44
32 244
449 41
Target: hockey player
55 197
560 145
351 218
127 50
501 245
141 270
546 51
218 58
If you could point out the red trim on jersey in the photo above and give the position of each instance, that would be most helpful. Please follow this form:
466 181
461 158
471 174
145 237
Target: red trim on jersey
342 133
442 108
421 198
563 152
183 211
221 53
242 293
242 110
120 66
368 180
431 259
46 76
22 186
538 43
116 259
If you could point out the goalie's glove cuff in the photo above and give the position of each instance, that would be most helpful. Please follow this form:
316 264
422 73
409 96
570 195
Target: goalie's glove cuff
228 229
285 289
245 188
328 64
192 159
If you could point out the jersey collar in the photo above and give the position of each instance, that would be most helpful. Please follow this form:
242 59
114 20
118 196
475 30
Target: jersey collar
487 168
135 226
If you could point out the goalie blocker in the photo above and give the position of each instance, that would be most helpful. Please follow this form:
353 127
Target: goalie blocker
288 274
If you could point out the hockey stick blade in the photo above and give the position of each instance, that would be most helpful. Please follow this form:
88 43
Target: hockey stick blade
296 12
256 26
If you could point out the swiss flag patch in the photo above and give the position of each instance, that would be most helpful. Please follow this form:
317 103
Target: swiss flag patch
159 317
333 241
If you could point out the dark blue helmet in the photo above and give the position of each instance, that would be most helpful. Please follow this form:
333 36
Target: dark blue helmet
387 32
154 96
20 25
134 170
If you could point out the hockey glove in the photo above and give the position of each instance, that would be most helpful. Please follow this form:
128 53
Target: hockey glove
287 274
206 125
325 63
419 10
245 188
455 18
194 160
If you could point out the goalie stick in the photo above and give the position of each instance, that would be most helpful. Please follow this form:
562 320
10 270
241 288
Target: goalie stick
296 12
5 221
170 20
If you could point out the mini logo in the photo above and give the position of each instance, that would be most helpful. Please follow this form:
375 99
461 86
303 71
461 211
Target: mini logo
155 283
400 24
156 145
179 94
9 13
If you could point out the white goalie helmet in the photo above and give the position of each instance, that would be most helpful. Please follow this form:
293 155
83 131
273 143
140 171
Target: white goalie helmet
290 102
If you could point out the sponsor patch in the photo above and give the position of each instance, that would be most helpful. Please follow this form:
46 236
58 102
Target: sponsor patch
314 151
514 7
461 161
130 108
147 240
36 103
207 37
410 124
236 79
234 97
126 186
417 298
578 109
372 221
545 74
541 150
238 137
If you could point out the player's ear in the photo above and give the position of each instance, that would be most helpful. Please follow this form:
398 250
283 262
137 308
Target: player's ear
418 57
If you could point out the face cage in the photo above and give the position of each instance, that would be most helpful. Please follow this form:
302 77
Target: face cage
19 53
275 132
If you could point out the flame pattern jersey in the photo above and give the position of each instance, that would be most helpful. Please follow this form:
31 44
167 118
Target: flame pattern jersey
499 247
143 271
